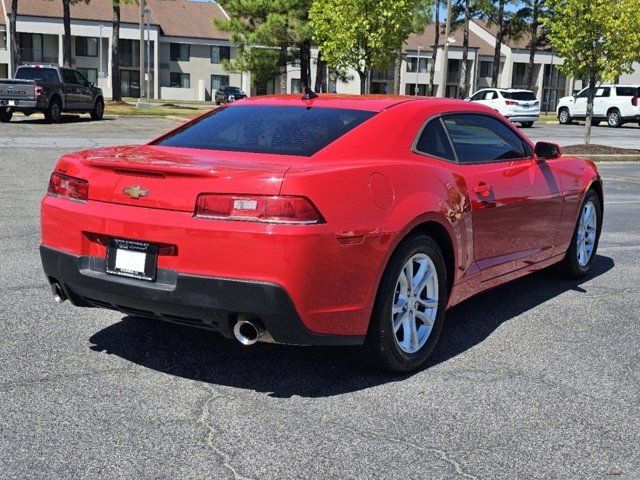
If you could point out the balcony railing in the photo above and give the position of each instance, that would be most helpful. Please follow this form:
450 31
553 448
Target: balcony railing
38 55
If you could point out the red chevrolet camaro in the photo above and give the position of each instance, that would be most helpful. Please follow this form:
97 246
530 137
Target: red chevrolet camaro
327 220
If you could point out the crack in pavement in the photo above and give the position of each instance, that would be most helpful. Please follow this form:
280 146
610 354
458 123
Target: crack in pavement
205 421
442 454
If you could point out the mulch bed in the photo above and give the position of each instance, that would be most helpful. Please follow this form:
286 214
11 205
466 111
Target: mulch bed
598 150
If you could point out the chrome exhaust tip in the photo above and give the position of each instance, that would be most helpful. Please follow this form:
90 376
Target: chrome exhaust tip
248 332
58 294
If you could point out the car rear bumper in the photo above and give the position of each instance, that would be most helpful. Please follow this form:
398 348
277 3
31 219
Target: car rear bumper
19 104
524 117
199 301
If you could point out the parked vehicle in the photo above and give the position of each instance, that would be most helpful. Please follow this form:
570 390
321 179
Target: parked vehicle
228 95
617 104
49 89
326 221
519 106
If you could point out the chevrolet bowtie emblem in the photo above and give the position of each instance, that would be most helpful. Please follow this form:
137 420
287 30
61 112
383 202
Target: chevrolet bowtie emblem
135 192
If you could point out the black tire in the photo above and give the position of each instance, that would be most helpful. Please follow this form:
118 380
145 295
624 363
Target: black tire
614 119
98 110
382 343
564 117
53 113
572 266
527 124
5 115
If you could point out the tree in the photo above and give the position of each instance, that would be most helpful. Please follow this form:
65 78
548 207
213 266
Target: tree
436 46
532 13
462 13
269 35
16 54
598 40
116 86
66 37
508 24
364 34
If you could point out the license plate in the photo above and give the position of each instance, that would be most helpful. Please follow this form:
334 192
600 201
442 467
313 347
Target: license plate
129 258
526 106
12 103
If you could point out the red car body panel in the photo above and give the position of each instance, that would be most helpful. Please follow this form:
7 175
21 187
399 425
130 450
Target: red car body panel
503 219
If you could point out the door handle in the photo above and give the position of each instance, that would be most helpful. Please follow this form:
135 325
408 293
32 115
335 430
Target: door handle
482 189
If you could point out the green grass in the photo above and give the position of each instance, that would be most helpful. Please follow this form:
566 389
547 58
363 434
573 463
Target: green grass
549 118
164 110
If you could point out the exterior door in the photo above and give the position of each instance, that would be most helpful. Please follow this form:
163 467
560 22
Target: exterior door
601 102
84 90
515 200
72 90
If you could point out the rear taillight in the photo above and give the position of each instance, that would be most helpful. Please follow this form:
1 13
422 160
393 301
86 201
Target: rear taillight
39 90
634 101
72 188
536 103
258 208
511 102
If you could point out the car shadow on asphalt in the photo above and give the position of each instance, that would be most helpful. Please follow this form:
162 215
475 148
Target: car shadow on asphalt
284 371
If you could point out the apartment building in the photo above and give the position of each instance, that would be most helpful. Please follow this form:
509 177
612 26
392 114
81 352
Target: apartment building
187 51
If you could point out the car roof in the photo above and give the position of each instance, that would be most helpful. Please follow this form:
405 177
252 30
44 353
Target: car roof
374 103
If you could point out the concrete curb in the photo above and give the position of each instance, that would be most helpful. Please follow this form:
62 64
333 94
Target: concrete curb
609 158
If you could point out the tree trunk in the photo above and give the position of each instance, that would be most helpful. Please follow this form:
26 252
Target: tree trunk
432 68
305 64
533 46
365 81
66 38
589 119
321 70
16 54
464 71
499 37
397 74
116 88
283 68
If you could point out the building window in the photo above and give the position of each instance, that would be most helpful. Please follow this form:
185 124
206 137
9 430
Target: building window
219 81
486 69
179 80
3 39
129 53
180 52
130 83
296 85
32 47
519 72
218 54
413 61
90 74
86 47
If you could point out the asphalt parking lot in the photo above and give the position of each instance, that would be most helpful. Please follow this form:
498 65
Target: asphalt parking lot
537 379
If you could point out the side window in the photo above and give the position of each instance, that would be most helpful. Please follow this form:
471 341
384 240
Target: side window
478 96
584 93
483 139
490 95
68 76
433 141
80 80
603 92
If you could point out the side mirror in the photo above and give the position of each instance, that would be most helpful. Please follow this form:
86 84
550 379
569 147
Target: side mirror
468 99
547 151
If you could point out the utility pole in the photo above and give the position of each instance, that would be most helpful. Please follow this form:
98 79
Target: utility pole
148 12
418 72
445 56
100 70
142 82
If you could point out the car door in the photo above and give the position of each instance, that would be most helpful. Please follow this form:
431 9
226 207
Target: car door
515 199
71 90
578 107
601 102
85 92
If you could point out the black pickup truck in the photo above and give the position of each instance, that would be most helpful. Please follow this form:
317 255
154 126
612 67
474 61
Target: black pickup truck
49 89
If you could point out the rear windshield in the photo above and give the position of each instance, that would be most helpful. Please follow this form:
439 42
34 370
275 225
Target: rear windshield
268 129
519 95
628 91
37 74
232 89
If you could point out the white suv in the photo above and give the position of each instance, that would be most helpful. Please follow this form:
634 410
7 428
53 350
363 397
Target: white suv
617 104
519 106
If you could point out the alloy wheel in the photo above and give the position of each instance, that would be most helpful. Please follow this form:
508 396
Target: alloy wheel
415 303
586 236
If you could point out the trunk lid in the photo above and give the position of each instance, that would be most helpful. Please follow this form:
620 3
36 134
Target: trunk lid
171 178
